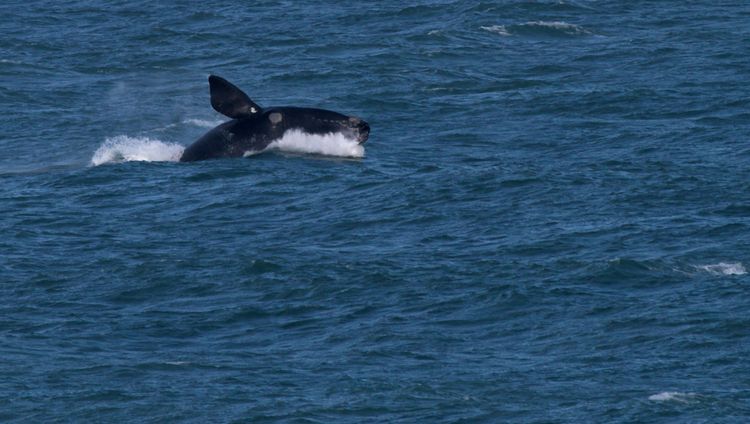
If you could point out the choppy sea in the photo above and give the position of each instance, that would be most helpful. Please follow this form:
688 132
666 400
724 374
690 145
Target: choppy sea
549 222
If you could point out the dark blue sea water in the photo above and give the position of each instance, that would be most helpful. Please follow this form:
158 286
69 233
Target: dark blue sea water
549 222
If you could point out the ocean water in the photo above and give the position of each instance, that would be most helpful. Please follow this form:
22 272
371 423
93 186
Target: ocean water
549 222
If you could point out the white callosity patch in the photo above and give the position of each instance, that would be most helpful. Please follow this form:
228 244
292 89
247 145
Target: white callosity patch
333 144
275 118
125 149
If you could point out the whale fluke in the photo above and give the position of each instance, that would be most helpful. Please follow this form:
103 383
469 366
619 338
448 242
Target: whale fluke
230 100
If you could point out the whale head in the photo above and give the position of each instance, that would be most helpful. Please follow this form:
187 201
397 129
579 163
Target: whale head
360 128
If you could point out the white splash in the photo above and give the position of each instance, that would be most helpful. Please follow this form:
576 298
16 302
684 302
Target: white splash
672 396
334 144
203 123
125 149
724 268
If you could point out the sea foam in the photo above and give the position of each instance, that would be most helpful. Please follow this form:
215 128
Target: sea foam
126 149
333 144
724 268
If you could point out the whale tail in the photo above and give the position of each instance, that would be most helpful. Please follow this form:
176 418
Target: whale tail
229 100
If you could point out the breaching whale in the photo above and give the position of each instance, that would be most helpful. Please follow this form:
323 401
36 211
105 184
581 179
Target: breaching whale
253 128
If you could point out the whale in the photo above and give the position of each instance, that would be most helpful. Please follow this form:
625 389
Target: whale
253 128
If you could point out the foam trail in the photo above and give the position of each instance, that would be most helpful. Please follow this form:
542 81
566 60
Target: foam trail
333 144
724 268
125 149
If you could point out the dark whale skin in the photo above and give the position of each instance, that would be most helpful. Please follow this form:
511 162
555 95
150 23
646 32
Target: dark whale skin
252 129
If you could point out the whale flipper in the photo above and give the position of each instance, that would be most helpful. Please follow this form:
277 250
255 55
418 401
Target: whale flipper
230 100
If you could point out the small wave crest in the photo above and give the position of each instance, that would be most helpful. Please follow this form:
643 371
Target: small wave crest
202 123
497 29
672 396
724 268
126 149
539 29
334 144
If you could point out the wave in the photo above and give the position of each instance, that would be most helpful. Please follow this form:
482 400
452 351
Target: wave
334 144
126 149
624 270
672 396
553 29
724 268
